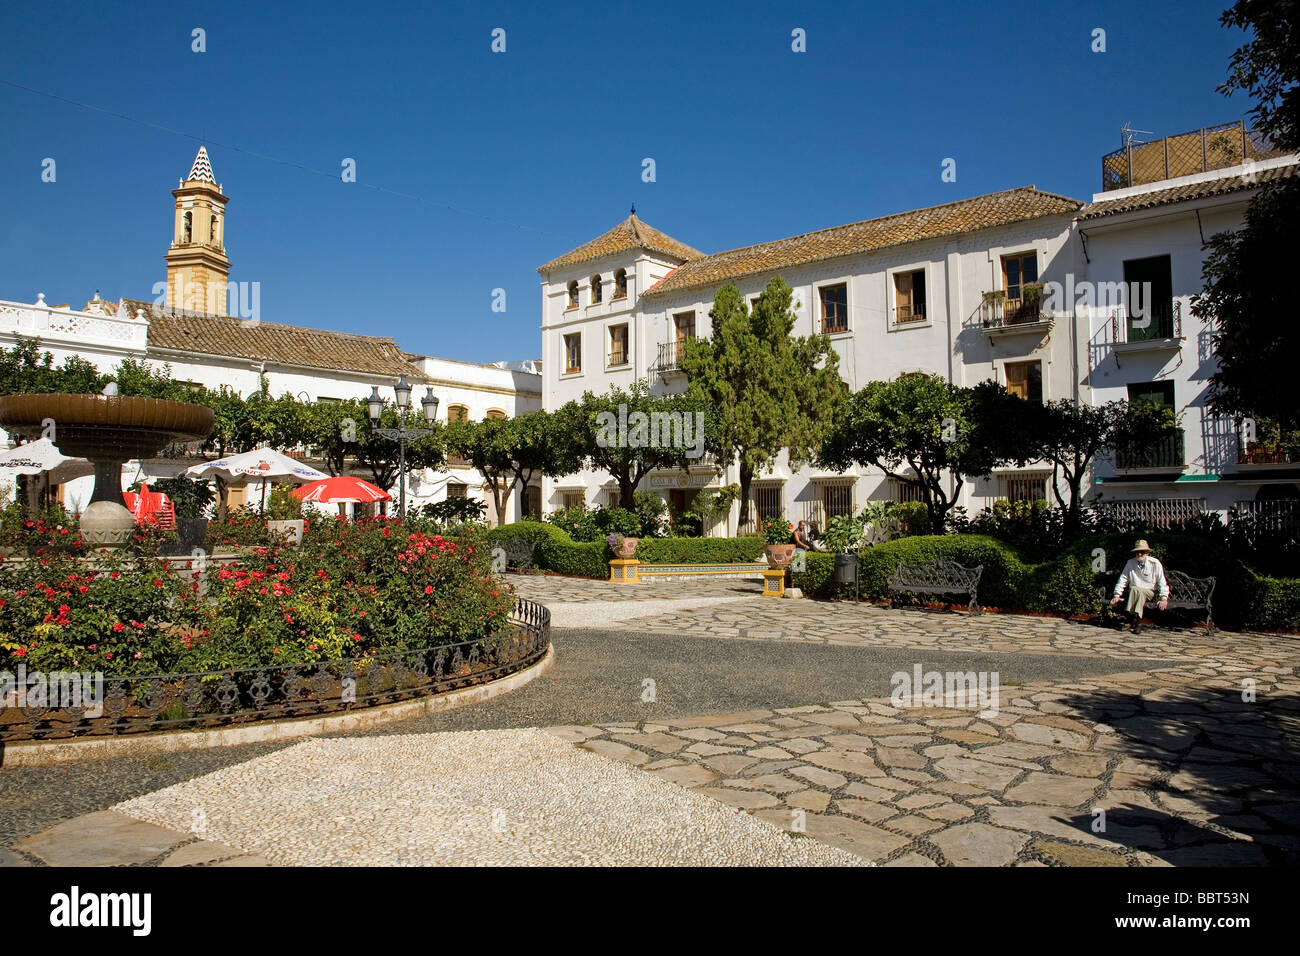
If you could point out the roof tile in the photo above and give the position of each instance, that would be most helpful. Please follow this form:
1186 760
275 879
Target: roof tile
629 234
1201 190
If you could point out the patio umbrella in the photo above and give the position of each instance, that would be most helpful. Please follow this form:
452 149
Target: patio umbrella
342 489
265 464
41 457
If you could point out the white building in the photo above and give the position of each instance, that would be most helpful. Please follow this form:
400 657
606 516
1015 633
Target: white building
214 349
936 290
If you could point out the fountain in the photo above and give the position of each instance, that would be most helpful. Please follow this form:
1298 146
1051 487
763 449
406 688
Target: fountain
108 430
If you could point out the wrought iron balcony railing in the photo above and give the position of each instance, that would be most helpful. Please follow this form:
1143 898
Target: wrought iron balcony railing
1163 322
1166 453
1007 313
669 357
617 357
1258 453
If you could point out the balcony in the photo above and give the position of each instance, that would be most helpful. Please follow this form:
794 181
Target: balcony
1161 328
1167 454
1001 317
1185 154
616 358
1259 453
667 361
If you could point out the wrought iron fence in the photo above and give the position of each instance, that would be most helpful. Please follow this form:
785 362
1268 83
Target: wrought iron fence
1166 453
236 696
668 357
1155 512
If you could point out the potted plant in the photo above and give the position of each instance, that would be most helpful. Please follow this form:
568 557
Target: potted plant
779 535
622 546
284 515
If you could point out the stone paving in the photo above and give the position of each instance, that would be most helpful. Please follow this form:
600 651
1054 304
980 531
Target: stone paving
1189 754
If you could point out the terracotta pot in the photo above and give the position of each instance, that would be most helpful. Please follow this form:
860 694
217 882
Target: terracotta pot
778 555
626 549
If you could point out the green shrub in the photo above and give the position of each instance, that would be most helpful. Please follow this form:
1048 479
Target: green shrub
1063 586
653 512
556 551
578 523
1000 583
912 517
818 577
699 550
1274 603
618 521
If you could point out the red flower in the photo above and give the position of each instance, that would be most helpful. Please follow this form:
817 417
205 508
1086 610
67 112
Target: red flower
428 589
118 628
108 656
22 652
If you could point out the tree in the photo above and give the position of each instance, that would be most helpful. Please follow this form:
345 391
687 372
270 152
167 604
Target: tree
924 422
630 433
334 428
25 369
1071 437
1246 298
382 456
766 390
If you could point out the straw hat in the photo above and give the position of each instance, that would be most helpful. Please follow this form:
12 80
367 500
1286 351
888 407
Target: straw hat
1141 547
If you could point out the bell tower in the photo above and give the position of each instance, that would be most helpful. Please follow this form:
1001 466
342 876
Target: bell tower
197 267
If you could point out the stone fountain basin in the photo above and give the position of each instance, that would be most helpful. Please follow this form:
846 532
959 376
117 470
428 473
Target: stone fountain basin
114 427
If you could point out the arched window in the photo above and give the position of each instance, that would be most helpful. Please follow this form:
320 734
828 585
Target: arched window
620 283
187 229
214 234
573 294
457 413
495 413
595 288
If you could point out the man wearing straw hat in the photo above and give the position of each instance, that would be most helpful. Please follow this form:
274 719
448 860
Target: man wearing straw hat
1144 578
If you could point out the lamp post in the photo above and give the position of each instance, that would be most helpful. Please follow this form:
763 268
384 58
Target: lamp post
401 434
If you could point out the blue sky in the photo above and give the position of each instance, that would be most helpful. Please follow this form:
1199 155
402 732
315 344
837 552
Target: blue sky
474 168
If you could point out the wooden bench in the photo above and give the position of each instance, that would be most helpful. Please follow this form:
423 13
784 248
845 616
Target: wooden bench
937 577
1186 592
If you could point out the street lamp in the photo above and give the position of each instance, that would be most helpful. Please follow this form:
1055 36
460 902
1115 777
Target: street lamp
401 434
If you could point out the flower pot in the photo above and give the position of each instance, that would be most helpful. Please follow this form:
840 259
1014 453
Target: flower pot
626 549
293 527
778 555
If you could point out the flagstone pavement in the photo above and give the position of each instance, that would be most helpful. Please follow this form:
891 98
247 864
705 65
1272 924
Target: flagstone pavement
1192 760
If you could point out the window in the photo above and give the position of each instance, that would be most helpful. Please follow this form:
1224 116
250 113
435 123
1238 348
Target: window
596 289
905 490
215 232
1016 271
909 296
457 489
618 345
767 500
1025 487
573 352
457 413
837 499
835 308
684 325
1150 298
493 414
573 499
188 228
573 295
1026 380
620 283
1157 393
530 502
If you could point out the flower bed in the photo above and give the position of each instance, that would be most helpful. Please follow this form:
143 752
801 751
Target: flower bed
351 590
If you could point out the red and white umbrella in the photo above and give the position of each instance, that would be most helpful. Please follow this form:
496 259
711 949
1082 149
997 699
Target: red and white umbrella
341 489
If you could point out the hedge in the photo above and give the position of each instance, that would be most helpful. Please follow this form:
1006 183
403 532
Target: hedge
700 550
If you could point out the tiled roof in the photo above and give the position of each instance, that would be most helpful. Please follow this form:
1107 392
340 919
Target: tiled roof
1202 190
206 334
202 169
966 215
629 234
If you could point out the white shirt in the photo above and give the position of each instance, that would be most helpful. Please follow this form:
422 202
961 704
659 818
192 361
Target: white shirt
1149 575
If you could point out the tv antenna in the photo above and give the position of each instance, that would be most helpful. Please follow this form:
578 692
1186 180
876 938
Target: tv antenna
1126 137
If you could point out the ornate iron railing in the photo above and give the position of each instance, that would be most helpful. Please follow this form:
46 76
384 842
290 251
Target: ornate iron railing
222 698
1167 452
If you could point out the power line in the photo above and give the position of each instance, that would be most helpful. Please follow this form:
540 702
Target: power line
274 159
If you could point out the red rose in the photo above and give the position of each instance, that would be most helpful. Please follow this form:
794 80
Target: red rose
428 589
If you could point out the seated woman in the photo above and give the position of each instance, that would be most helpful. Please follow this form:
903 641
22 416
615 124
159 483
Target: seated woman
802 537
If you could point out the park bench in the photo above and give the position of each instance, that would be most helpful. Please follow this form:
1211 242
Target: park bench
937 577
519 553
1186 592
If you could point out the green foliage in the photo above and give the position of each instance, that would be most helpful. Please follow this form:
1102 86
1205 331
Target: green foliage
1268 66
925 423
777 530
189 496
578 523
703 510
25 369
351 590
1064 586
1000 584
282 505
843 533
652 510
766 389
618 521
1274 603
700 550
454 511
